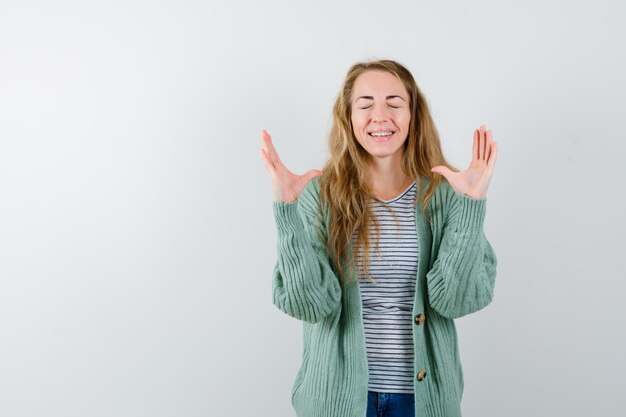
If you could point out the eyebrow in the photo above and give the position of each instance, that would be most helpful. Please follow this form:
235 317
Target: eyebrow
372 98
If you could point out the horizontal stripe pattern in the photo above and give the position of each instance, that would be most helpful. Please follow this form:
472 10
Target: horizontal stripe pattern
388 302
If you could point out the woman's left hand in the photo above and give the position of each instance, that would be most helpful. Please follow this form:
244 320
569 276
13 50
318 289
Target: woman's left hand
474 181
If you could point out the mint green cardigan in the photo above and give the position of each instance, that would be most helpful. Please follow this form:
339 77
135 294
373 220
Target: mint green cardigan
456 276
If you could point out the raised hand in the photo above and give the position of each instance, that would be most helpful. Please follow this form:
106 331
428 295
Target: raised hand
286 185
474 181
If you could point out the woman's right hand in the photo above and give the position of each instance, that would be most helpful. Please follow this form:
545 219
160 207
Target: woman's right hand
286 185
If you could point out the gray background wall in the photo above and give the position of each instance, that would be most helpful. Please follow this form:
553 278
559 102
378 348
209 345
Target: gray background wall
136 232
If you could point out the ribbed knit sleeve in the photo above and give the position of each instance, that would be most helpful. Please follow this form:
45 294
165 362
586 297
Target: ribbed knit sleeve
462 278
304 285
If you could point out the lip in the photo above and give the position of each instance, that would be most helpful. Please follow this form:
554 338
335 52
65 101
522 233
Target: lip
383 138
380 130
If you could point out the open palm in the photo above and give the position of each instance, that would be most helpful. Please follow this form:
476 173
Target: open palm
286 185
474 181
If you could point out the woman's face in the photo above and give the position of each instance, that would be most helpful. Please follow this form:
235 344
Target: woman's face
380 113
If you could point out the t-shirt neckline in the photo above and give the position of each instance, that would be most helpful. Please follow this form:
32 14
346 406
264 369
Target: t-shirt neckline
400 195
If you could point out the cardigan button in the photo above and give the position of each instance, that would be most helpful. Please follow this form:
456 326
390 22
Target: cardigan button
420 318
421 375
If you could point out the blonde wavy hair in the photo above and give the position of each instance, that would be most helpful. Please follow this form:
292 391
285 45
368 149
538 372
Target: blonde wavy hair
344 185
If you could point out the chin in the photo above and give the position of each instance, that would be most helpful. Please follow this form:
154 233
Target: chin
382 154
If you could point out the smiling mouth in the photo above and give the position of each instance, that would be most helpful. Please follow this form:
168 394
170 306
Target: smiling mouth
381 137
381 134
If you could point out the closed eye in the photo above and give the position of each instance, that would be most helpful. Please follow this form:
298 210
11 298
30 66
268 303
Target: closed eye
393 107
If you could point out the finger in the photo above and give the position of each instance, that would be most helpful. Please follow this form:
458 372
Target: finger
442 170
272 150
488 145
265 153
267 145
267 162
481 143
494 154
475 146
312 174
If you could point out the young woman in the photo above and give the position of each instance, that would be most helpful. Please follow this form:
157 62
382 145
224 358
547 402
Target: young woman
379 252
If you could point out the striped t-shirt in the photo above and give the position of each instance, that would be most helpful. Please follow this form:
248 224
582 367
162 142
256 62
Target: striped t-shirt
388 303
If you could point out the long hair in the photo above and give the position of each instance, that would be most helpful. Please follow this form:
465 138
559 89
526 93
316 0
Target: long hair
344 185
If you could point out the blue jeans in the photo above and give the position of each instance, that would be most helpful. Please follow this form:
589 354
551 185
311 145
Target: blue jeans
390 404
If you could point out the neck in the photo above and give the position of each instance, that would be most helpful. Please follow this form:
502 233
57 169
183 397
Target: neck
386 175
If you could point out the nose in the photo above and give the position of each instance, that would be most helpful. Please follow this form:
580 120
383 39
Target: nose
380 114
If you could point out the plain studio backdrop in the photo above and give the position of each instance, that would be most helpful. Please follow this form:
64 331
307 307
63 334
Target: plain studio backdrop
137 238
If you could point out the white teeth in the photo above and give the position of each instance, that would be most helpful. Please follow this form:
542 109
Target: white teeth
381 134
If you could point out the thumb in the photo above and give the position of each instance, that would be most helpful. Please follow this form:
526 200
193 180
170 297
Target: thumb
442 170
312 174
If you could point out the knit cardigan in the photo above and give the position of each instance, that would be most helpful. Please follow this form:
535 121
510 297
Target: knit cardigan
456 277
